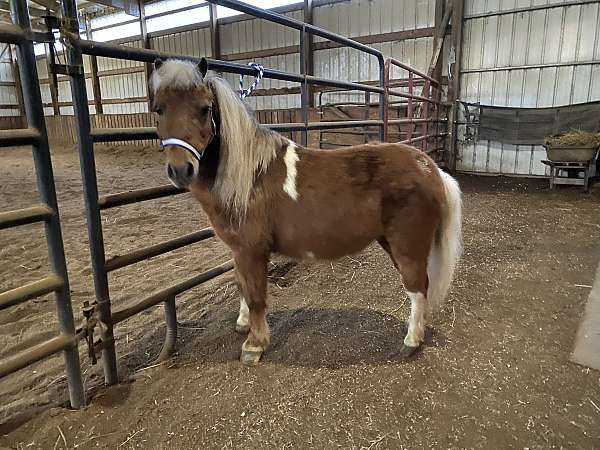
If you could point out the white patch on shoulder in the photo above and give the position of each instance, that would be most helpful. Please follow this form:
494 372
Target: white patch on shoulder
291 158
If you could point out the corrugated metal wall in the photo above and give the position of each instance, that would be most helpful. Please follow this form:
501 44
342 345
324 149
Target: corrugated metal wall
8 93
565 41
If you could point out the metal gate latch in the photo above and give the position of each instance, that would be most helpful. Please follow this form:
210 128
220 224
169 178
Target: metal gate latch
90 324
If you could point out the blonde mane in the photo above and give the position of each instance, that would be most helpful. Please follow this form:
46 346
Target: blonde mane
246 149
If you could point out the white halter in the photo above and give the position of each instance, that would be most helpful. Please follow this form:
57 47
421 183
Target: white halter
183 144
186 145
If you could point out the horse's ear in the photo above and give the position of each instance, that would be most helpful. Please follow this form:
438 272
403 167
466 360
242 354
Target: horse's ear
157 63
203 67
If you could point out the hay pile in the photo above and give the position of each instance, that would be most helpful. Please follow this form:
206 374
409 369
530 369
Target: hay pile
574 138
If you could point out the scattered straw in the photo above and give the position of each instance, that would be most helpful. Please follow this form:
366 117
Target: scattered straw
62 435
129 438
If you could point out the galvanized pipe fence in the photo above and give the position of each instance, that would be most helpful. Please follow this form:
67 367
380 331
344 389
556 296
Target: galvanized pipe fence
101 316
46 211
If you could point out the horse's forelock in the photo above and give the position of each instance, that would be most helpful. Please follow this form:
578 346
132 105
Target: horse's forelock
177 74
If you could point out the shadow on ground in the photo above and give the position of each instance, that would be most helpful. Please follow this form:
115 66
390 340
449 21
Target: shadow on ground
306 337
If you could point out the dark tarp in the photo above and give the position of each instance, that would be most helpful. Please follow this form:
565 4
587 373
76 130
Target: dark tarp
532 125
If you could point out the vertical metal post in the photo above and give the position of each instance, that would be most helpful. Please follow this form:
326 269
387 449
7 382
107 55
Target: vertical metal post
90 191
171 332
409 108
45 180
52 78
426 93
303 86
309 43
367 111
382 107
386 101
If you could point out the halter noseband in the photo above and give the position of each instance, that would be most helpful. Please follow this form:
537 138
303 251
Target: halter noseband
176 142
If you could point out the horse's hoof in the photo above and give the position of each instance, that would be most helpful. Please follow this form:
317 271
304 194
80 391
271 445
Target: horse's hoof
242 329
407 351
250 359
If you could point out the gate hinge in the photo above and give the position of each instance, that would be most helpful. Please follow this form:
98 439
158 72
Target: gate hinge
88 327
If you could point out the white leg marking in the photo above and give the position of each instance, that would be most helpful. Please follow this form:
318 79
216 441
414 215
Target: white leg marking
310 255
243 319
416 323
290 159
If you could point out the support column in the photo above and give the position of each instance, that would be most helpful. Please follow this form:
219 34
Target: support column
454 83
94 71
215 36
52 78
310 60
145 44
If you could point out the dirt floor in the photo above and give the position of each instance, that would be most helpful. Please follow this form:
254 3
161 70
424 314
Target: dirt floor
494 372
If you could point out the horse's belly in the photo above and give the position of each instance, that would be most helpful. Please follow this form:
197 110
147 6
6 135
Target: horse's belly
331 239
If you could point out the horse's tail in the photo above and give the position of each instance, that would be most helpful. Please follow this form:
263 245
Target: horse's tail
447 246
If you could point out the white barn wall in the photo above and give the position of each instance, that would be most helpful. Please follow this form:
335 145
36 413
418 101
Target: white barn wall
565 35
8 94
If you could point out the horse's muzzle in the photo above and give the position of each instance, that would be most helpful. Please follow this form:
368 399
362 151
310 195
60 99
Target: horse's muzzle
181 175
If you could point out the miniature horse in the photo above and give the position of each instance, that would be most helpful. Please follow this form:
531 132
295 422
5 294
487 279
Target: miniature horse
265 194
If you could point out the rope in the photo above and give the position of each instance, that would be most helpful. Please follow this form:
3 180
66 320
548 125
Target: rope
258 78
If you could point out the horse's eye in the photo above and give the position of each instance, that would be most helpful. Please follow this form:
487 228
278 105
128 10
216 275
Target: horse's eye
204 110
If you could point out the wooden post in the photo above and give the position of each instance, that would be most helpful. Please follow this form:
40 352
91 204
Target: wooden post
310 61
435 68
52 78
454 84
19 90
443 14
147 45
215 35
94 69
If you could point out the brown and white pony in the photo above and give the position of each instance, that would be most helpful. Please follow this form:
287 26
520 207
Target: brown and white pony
265 194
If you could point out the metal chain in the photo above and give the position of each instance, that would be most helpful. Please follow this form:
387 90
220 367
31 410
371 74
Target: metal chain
258 78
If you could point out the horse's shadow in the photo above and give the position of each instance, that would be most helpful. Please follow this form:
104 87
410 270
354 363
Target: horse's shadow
308 337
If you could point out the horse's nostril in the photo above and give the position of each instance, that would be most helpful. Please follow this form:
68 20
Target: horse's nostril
189 169
170 172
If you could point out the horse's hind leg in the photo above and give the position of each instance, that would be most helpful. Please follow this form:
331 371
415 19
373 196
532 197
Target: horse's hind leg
410 258
252 278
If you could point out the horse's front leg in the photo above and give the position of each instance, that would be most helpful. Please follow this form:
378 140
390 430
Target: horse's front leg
252 278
